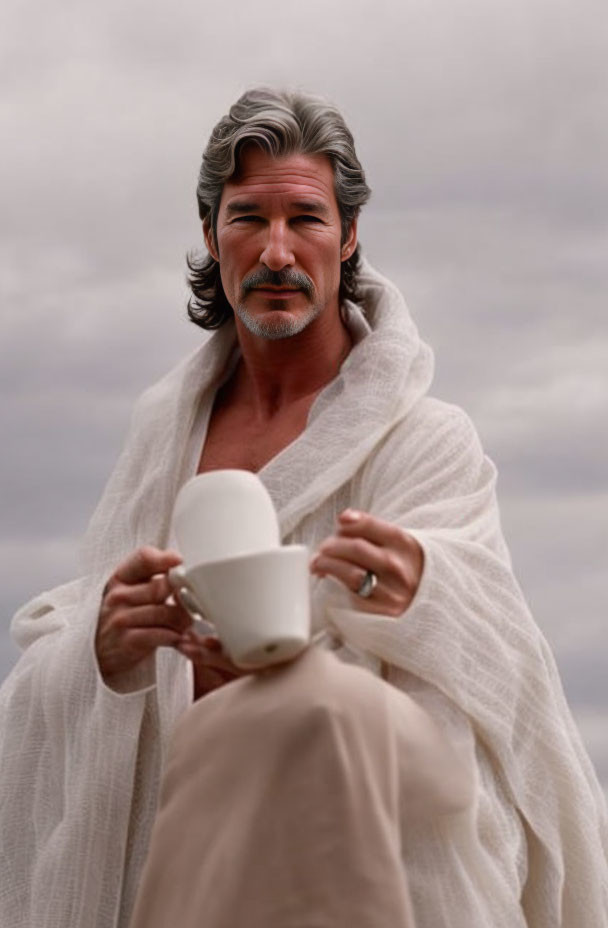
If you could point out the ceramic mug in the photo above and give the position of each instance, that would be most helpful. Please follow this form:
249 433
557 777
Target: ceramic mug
259 604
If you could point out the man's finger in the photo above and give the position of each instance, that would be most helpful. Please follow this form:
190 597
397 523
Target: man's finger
208 649
212 643
208 660
382 600
150 616
144 563
357 551
145 640
349 574
156 591
353 523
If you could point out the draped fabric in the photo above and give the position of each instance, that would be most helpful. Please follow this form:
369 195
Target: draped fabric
286 797
81 763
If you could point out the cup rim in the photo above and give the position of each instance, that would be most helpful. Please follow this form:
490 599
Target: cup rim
253 555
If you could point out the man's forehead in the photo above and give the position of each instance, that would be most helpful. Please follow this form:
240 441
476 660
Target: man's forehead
299 175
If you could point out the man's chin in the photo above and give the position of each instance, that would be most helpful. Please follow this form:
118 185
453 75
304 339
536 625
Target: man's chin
277 323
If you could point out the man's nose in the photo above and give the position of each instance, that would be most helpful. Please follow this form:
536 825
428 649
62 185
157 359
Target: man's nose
277 252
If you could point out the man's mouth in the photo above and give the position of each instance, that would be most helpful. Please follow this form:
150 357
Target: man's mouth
276 291
275 285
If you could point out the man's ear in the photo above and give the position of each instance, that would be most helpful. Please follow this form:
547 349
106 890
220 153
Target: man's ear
350 243
210 240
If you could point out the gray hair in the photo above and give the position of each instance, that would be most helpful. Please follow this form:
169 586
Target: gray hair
280 123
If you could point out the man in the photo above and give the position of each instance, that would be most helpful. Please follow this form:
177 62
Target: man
317 380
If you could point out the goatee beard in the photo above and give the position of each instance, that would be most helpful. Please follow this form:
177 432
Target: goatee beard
280 325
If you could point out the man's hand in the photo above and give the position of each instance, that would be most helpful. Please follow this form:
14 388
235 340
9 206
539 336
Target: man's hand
364 543
134 618
212 667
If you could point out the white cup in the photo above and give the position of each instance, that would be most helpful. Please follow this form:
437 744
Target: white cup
259 604
224 514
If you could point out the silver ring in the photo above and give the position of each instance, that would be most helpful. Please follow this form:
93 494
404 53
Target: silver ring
368 585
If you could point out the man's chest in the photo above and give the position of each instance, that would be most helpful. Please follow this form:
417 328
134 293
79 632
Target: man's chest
235 440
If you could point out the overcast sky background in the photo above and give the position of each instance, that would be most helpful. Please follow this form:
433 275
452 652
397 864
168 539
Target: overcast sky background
482 126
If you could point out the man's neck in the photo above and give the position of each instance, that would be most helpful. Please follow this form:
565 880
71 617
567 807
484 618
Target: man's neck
274 374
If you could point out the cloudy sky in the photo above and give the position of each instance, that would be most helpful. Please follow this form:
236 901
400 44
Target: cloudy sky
482 127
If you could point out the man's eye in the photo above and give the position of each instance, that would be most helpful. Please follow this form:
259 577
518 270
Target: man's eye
247 219
308 219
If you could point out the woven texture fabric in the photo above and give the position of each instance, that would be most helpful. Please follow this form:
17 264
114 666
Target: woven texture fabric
81 763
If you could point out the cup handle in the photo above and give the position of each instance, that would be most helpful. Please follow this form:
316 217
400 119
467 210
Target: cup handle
187 597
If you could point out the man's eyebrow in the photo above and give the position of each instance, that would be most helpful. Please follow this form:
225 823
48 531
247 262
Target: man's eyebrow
311 206
250 206
242 206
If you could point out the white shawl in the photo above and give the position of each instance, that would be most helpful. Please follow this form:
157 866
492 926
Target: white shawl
80 763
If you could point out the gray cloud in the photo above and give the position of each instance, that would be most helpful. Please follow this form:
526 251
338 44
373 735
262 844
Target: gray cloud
482 130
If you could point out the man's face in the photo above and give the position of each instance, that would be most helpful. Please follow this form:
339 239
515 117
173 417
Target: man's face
279 242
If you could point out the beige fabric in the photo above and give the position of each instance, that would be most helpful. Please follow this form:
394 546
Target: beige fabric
80 763
285 800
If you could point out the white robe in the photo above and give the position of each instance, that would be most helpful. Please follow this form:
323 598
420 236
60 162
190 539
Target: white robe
80 762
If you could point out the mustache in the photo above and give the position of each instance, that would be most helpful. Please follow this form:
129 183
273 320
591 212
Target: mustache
283 278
